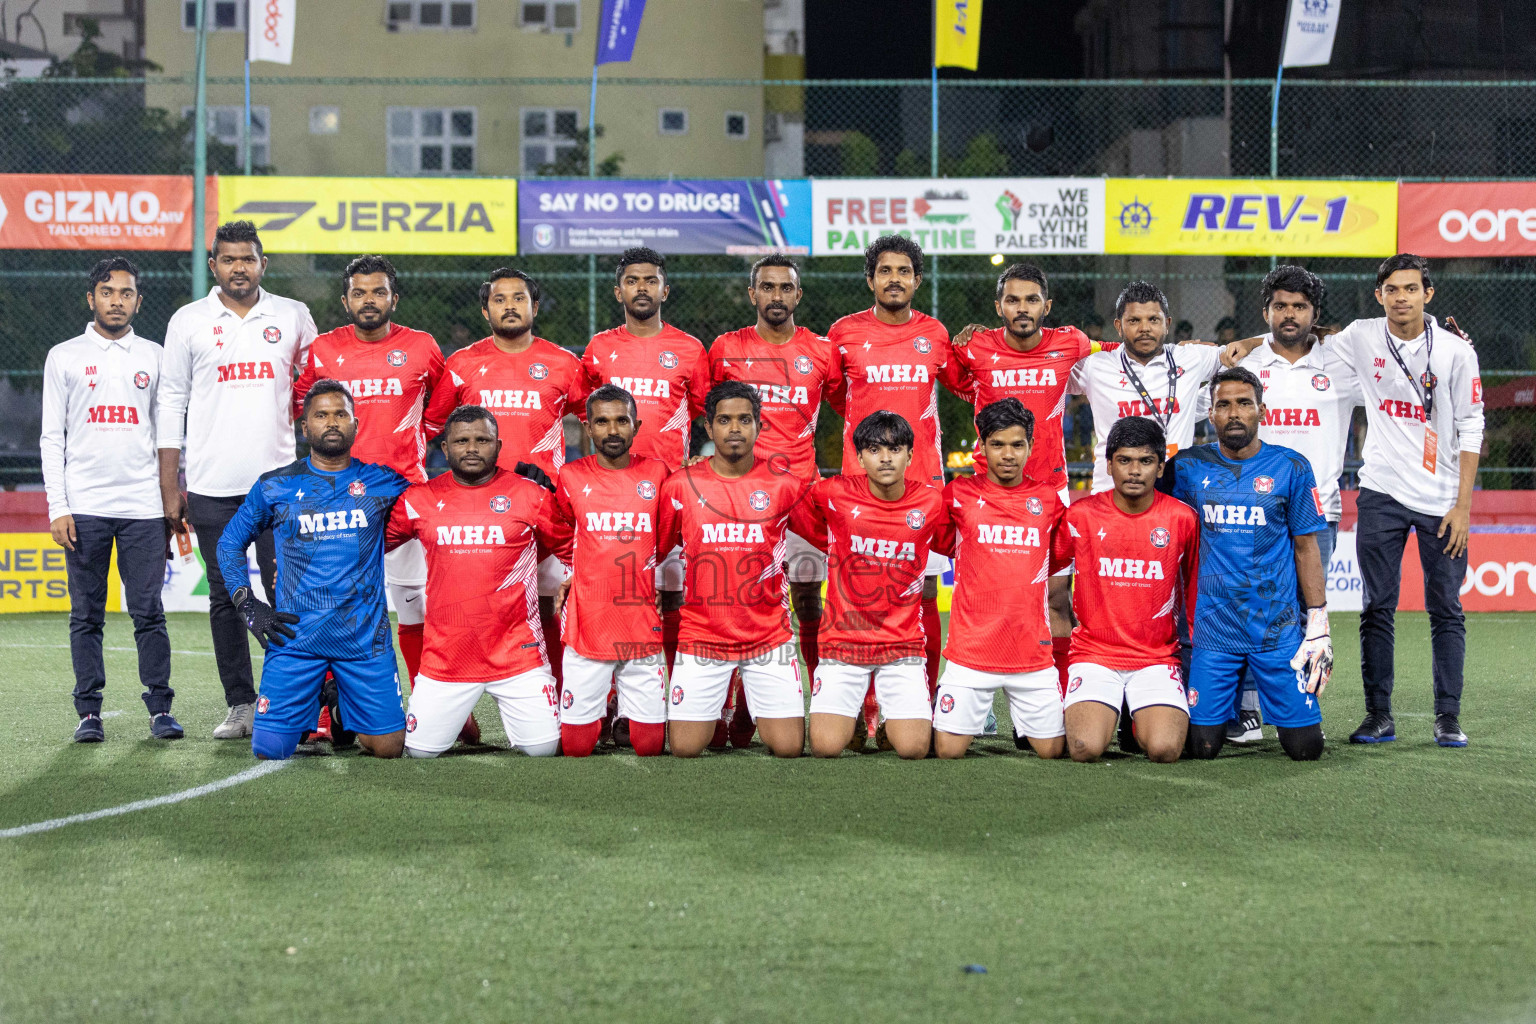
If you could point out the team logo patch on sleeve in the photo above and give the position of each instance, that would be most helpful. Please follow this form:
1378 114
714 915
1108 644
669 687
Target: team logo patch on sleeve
668 360
501 503
922 344
758 500
262 703
916 519
946 704
1034 505
396 357
1263 484
1160 537
1320 382
141 380
1477 390
538 371
677 695
646 490
272 335
804 365
1317 501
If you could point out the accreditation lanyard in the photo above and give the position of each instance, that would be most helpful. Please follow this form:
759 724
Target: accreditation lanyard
1164 417
1423 387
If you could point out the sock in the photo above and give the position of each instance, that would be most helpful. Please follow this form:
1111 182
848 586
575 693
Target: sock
1060 645
933 627
648 737
411 639
274 746
579 740
555 648
810 646
671 622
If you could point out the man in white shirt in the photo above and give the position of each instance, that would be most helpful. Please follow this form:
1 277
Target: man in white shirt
226 391
98 448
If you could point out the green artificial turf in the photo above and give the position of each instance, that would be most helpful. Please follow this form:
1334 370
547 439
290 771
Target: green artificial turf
1392 883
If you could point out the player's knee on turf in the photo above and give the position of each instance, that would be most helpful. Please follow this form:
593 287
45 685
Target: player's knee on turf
1047 749
1302 744
1205 741
1085 748
390 745
784 737
949 746
911 738
274 746
830 734
688 739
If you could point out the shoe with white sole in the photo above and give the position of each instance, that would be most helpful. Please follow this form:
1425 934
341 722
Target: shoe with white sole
1248 727
237 723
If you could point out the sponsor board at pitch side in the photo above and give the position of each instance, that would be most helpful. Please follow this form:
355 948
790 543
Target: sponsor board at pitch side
139 212
1500 577
1467 218
447 216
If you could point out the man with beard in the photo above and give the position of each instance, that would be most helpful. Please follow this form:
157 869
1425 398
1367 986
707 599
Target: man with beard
329 512
389 369
226 392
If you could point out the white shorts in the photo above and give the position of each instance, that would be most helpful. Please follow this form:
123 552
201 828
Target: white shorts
437 711
1136 687
406 566
806 562
938 565
771 679
671 571
901 687
551 575
584 696
965 697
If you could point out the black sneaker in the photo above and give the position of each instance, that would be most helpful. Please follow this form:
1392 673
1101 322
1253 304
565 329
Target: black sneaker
1377 728
90 730
1247 727
164 727
1448 731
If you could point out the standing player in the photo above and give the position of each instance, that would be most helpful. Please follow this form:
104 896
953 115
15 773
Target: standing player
99 468
668 373
330 512
877 528
528 384
609 503
1136 552
226 387
730 513
389 369
484 529
999 631
1260 514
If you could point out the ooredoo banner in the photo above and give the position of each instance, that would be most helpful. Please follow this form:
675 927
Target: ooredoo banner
1467 218
1501 575
99 211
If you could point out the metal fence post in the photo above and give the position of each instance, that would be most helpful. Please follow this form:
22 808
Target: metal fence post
200 156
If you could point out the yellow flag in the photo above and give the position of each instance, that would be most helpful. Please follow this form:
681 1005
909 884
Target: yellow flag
959 28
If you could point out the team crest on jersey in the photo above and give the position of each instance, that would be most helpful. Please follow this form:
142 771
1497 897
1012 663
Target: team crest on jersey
916 519
804 365
946 703
410 723
357 488
272 335
262 703
1320 382
1263 484
1194 697
1074 684
141 380
668 360
922 344
538 371
1034 506
758 500
567 700
677 695
1160 537
500 504
646 490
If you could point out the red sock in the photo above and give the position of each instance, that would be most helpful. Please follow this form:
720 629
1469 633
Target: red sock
579 740
647 737
553 646
671 622
411 638
1059 648
810 648
933 627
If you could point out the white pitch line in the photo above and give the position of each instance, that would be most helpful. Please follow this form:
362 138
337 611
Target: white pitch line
254 772
110 714
65 647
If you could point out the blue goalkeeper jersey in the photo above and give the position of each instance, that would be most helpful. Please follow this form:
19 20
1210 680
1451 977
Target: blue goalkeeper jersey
1249 510
329 529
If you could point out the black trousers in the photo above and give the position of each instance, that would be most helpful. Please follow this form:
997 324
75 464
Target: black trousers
231 648
1381 537
141 567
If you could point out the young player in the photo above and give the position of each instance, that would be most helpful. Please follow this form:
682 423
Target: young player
999 632
1260 514
729 513
1136 553
484 529
329 512
609 502
877 528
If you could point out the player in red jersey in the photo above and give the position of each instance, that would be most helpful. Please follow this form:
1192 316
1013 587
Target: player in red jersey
730 513
877 529
484 529
999 633
608 502
390 370
529 384
1136 551
668 373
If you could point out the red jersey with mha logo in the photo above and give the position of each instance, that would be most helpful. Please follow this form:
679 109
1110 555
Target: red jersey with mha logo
897 367
668 375
528 392
876 553
610 613
736 597
790 379
390 380
1002 549
1131 571
483 547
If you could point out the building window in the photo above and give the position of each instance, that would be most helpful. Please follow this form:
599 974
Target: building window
429 14
223 15
552 138
324 120
431 140
551 15
227 125
672 121
735 124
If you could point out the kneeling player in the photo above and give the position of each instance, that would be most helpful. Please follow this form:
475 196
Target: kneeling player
608 502
1135 552
328 513
999 631
485 531
877 530
730 513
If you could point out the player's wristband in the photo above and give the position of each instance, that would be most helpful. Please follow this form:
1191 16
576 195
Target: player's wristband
1317 622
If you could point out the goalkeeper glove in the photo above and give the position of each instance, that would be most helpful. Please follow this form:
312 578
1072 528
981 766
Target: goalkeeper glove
531 472
1314 658
268 626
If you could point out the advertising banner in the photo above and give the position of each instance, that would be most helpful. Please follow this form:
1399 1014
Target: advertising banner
464 216
1467 218
607 215
960 216
1501 575
99 211
32 575
1250 217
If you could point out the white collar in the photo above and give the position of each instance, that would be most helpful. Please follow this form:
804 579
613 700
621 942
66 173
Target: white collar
263 305
103 342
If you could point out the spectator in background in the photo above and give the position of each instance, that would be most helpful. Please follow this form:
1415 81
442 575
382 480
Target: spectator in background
1226 330
1093 326
1184 331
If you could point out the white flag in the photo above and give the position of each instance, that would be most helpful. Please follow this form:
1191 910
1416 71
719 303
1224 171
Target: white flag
270 30
1309 32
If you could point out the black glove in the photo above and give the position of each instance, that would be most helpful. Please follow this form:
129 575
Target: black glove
268 626
534 473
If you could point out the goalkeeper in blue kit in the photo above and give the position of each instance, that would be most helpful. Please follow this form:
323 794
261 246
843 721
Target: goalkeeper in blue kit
328 513
1261 599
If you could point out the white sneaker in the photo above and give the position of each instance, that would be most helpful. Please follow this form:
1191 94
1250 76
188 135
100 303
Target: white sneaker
237 723
1247 728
